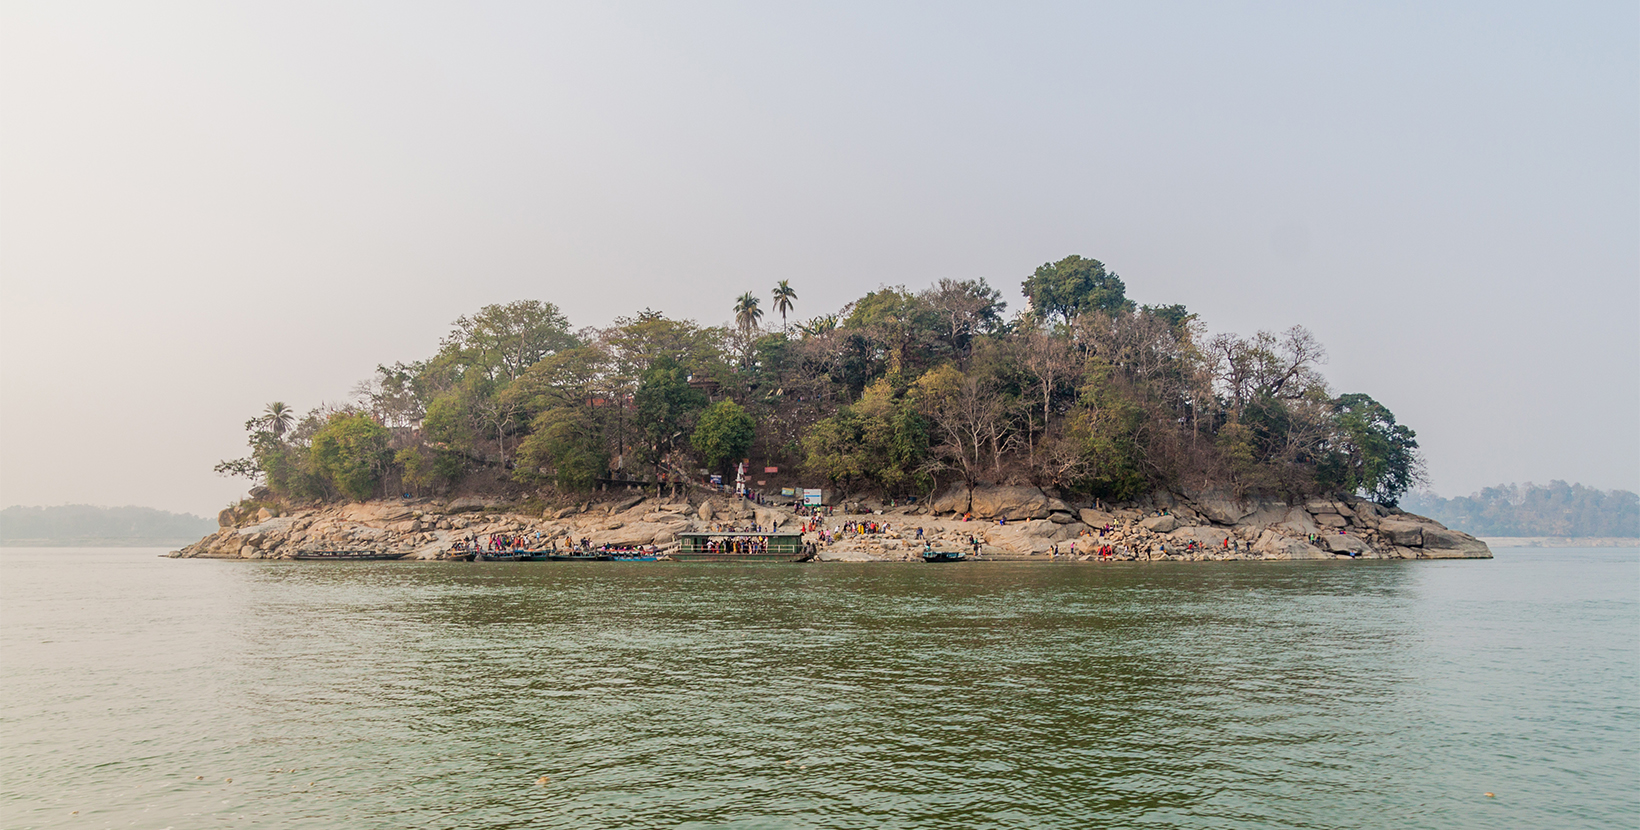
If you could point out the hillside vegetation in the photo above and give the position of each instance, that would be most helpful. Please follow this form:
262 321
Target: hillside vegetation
1555 509
898 394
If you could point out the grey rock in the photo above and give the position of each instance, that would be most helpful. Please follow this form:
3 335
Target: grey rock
1223 509
1404 533
1440 543
1341 543
1159 524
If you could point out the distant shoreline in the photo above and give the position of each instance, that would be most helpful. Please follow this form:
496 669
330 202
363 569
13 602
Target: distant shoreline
97 542
1561 541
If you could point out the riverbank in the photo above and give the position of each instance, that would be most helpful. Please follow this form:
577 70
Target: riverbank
1005 522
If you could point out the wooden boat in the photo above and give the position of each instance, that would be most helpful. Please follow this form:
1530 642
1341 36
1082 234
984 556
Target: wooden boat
944 556
719 546
514 555
344 555
457 556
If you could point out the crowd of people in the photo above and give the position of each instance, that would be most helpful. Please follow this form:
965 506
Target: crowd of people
738 545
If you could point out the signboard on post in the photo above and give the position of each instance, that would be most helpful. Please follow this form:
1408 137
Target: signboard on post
813 498
788 491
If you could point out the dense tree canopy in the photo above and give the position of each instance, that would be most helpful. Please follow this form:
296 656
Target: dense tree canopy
1061 291
897 393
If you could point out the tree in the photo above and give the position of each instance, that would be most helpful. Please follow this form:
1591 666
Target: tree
1267 366
1370 453
565 448
824 324
1106 432
1051 362
278 417
783 296
881 439
1067 288
663 406
724 433
746 312
894 324
426 467
351 452
502 341
965 309
972 417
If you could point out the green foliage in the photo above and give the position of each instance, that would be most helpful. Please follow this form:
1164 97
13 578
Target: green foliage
881 440
351 452
1369 453
724 433
746 311
665 404
1176 317
783 296
425 467
638 343
1065 289
1107 427
502 341
1084 395
565 448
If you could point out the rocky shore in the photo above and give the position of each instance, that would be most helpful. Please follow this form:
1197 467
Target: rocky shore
1009 523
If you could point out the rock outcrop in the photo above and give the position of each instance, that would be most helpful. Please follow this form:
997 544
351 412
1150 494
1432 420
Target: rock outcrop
1011 522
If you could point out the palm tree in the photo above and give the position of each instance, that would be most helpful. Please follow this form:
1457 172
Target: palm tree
746 312
819 325
783 296
278 417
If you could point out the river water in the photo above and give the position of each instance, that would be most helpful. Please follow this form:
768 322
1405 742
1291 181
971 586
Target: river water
971 695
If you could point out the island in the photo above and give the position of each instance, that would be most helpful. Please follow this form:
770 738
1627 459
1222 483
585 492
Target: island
1085 426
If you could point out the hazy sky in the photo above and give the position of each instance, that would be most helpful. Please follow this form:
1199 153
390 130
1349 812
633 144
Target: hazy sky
206 207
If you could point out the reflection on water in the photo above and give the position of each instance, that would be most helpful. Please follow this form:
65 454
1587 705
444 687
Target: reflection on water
776 695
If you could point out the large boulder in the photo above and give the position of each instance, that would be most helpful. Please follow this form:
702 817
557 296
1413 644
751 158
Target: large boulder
952 501
1343 543
1095 518
1272 545
376 512
269 528
1160 524
636 533
1008 502
1204 535
1402 532
1440 543
1299 522
1223 509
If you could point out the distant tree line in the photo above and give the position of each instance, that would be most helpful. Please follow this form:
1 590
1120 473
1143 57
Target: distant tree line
1553 509
88 524
895 394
